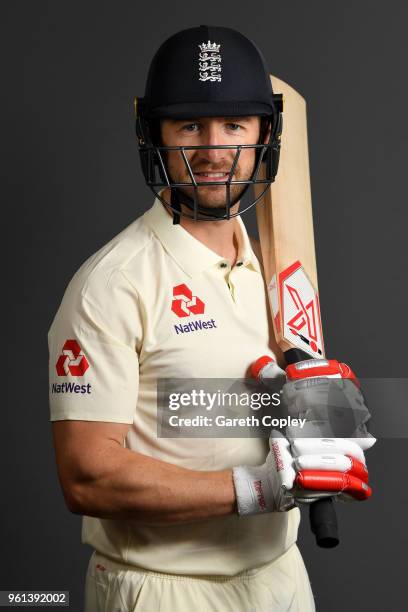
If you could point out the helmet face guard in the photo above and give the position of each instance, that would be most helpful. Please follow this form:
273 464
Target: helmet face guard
207 71
157 176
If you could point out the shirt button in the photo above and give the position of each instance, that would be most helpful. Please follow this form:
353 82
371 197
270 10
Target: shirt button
223 265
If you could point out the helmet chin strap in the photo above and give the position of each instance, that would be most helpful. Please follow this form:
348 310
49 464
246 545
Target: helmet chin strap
175 206
178 198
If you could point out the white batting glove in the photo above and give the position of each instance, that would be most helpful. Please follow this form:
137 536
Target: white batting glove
266 488
306 469
303 470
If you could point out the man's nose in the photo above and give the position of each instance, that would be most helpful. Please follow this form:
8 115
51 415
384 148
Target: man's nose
213 138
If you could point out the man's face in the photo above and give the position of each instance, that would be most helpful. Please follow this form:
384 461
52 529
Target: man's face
211 165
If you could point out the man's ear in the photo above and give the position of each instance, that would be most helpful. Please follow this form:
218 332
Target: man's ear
265 131
268 134
156 132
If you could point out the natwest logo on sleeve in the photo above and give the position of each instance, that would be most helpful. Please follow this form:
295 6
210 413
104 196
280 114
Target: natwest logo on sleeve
72 360
185 303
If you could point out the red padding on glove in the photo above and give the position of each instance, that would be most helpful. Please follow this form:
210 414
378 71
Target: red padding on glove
259 364
338 482
358 469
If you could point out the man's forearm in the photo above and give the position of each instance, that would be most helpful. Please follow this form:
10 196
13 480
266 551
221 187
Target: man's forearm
137 487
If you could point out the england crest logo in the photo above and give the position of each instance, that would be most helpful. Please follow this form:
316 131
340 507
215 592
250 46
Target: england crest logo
209 62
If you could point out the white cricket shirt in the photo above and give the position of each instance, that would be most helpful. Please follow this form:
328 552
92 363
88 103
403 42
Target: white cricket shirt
156 303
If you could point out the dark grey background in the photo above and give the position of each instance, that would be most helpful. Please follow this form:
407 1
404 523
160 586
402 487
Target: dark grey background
72 181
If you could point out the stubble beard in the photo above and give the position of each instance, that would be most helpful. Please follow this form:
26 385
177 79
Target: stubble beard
214 196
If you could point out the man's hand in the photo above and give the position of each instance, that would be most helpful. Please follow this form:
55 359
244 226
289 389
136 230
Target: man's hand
264 488
329 466
304 469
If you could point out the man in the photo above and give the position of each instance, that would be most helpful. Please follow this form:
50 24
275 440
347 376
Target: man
180 524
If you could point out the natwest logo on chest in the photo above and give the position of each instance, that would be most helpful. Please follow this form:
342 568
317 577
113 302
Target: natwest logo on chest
193 326
185 304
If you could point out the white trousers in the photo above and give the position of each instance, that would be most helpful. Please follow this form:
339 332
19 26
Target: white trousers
280 586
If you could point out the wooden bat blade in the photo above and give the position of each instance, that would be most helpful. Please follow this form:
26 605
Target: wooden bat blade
285 224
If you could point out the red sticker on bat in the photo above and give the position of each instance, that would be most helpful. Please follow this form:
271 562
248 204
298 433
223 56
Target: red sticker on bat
301 324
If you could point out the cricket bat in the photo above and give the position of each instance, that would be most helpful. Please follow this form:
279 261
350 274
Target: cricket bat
285 225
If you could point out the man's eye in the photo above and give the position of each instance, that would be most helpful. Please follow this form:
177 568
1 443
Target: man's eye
234 127
190 127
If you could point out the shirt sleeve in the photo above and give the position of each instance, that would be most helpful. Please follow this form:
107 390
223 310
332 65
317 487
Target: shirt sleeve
93 346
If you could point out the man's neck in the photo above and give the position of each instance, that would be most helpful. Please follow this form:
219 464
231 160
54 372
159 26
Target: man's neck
218 236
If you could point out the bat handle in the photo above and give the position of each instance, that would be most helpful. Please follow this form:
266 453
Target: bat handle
323 522
322 514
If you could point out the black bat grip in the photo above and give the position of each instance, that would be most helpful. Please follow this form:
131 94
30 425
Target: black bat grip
322 514
323 522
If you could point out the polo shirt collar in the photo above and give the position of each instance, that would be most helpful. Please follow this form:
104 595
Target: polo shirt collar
191 254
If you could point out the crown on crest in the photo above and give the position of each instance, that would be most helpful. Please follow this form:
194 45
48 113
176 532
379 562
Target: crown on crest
209 46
